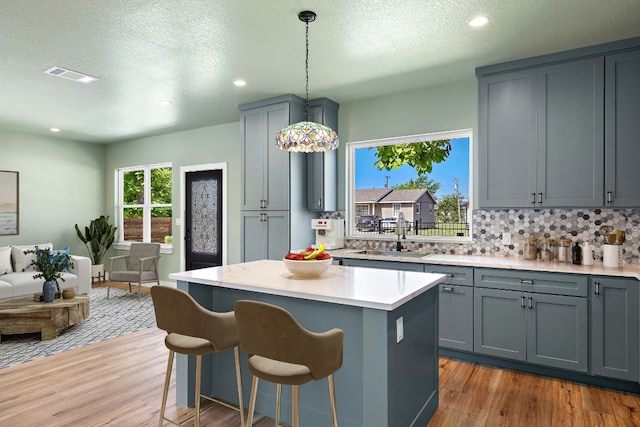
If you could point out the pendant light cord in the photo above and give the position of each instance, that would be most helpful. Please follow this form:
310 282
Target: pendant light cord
306 69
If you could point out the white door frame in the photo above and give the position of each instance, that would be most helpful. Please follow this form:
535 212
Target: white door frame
183 173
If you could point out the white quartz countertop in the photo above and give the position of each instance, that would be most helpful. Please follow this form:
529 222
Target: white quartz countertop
628 270
361 287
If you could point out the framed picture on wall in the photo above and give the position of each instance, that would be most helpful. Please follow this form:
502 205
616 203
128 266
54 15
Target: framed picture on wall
9 213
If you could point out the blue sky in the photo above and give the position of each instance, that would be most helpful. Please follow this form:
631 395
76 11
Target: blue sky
455 166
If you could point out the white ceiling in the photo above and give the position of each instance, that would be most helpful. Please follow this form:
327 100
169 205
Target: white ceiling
190 52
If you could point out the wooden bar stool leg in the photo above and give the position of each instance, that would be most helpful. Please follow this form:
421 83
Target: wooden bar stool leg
332 398
236 355
278 397
294 405
252 400
197 396
165 392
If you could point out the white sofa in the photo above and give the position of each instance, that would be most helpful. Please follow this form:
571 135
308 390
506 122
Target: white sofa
16 274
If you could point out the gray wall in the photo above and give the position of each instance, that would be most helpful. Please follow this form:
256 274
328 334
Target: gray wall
82 174
216 144
61 183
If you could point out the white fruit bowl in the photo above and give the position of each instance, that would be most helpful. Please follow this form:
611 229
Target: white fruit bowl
307 268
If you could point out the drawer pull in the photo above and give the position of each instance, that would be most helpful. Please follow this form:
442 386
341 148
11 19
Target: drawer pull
448 289
449 275
526 282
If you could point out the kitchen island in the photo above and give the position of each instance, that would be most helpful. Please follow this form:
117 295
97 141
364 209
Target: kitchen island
389 375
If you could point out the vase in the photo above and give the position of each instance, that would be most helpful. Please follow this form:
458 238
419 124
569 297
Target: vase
49 290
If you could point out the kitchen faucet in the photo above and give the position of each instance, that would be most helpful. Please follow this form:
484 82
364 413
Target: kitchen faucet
400 226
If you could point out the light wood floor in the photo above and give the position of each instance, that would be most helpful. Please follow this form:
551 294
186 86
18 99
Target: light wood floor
119 383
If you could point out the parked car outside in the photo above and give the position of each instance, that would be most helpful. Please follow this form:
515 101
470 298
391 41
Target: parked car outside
367 223
390 225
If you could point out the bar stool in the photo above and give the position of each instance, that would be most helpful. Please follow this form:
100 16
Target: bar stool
194 330
283 352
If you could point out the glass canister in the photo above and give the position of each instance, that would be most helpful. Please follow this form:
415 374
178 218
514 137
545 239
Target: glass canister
564 250
546 249
530 249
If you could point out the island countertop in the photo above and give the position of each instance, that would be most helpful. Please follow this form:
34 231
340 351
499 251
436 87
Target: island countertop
361 287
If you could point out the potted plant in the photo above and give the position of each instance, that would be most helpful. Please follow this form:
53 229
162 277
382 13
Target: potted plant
50 265
98 238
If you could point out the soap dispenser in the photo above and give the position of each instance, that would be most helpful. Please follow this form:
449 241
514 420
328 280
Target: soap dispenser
587 254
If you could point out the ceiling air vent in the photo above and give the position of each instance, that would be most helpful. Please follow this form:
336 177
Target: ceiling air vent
70 75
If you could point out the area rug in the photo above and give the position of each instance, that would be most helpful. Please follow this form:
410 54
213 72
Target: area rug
121 314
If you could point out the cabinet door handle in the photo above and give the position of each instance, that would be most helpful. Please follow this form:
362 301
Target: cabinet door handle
540 198
597 289
522 301
609 196
533 198
526 282
530 302
319 202
263 204
448 289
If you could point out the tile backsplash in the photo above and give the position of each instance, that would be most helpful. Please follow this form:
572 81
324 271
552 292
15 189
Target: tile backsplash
488 225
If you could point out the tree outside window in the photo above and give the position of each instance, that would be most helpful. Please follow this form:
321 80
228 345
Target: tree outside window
146 203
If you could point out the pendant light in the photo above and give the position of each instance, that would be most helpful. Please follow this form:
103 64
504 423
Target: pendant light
307 136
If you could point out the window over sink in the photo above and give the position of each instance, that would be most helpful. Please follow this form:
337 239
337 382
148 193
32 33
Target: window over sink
427 178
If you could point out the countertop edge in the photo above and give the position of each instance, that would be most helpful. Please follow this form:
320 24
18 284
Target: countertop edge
486 261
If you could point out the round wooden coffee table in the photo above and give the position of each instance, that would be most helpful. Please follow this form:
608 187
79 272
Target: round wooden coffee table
24 315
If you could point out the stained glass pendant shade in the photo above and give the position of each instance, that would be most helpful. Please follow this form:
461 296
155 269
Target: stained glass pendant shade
307 136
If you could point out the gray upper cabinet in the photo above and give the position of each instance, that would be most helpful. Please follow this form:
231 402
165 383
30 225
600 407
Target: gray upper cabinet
541 138
322 168
507 149
613 322
571 134
622 127
266 169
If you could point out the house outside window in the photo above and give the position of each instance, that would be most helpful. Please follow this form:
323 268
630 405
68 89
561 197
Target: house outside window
386 180
145 203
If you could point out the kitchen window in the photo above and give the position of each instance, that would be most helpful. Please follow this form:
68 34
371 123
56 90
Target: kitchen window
400 174
145 204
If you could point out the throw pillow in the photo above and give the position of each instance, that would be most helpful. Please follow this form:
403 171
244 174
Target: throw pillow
5 260
63 251
22 261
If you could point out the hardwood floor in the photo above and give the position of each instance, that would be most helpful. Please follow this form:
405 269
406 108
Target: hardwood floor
119 383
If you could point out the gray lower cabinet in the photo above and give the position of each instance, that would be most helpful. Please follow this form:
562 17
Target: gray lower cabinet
622 128
265 235
511 321
456 306
613 319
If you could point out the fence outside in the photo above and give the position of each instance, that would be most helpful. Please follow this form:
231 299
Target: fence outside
160 227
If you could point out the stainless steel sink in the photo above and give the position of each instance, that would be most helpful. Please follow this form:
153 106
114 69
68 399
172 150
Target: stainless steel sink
395 254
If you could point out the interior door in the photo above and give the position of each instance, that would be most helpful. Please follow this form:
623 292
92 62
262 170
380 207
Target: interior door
203 219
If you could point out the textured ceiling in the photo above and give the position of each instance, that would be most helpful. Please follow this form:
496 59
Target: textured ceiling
190 52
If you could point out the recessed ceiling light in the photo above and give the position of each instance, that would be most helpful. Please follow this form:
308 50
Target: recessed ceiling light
240 83
54 130
165 102
479 21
